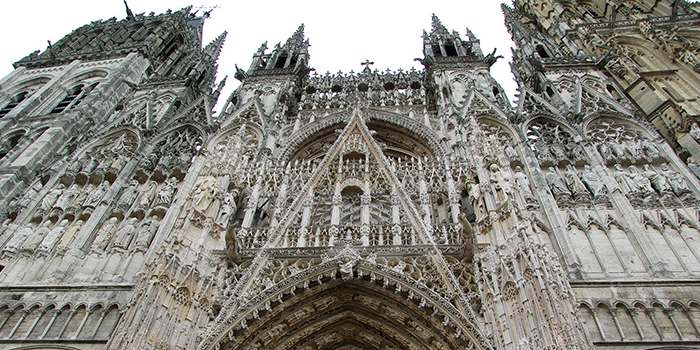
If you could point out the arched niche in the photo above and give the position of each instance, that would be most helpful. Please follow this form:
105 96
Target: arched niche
337 305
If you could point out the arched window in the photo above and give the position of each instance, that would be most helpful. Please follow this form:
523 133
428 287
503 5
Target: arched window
13 103
75 95
542 52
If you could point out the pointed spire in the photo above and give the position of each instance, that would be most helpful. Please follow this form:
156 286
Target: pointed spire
213 49
438 28
297 39
129 14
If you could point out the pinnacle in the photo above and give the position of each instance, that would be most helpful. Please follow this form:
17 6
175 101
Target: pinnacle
213 49
297 38
438 28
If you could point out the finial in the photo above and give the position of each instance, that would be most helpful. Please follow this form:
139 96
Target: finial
129 14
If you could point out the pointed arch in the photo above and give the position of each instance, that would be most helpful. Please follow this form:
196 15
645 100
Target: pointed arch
346 290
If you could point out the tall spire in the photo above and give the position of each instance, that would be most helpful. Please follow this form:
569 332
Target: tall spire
213 49
129 14
438 28
296 40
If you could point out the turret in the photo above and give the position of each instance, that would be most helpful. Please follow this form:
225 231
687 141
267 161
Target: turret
290 58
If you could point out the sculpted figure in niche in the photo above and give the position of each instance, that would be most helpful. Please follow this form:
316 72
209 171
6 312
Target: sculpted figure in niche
129 196
90 165
149 195
146 233
67 197
105 234
556 184
477 202
70 234
573 182
96 195
501 183
676 180
649 149
634 151
619 152
125 234
558 151
51 197
624 179
165 195
593 182
694 167
17 239
605 149
695 132
640 183
658 181
54 235
34 239
228 207
205 194
522 182
574 150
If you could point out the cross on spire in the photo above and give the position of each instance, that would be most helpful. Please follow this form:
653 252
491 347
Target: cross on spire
367 63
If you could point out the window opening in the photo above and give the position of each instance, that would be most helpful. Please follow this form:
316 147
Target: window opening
13 103
72 95
542 52
450 50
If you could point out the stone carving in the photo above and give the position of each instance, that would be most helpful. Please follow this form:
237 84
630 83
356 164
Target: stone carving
165 195
47 245
559 189
18 238
69 236
96 195
501 183
50 198
523 183
125 234
146 233
676 181
593 182
36 237
128 196
575 185
694 167
658 181
105 234
695 132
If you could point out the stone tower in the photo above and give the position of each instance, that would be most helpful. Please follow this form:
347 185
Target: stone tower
407 209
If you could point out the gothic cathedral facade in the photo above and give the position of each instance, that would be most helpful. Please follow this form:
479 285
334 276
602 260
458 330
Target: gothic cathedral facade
407 209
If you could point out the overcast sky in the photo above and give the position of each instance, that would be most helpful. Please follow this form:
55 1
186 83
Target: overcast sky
342 33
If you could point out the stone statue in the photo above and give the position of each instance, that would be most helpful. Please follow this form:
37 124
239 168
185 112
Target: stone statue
573 182
33 241
501 182
105 234
522 182
695 132
165 195
593 181
675 180
18 238
475 197
146 233
658 181
649 149
70 234
29 195
128 196
54 235
605 149
204 195
556 184
65 200
51 197
149 195
228 207
575 151
640 183
123 237
694 167
93 199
